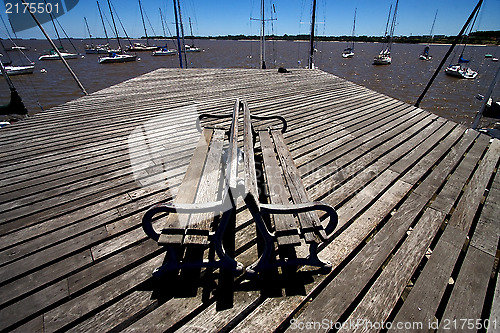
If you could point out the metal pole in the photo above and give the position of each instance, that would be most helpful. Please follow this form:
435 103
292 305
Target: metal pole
178 37
182 33
455 41
311 41
262 36
56 49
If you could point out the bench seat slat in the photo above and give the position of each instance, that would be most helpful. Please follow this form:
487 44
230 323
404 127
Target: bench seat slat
309 222
173 232
285 225
199 225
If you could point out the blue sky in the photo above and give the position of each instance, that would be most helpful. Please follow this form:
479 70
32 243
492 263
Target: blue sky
223 17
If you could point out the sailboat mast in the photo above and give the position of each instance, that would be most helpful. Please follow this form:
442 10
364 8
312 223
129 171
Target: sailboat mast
102 20
191 29
354 27
162 24
182 33
262 36
55 28
311 41
143 23
114 25
393 24
178 36
87 25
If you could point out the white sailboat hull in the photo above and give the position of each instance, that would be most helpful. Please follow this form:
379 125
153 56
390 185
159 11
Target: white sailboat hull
56 56
118 58
460 72
382 59
164 53
19 70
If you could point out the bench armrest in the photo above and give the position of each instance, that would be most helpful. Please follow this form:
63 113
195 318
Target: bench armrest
280 118
209 115
175 208
223 116
302 208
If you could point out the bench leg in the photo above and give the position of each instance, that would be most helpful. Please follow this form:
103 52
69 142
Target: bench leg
264 261
172 262
225 261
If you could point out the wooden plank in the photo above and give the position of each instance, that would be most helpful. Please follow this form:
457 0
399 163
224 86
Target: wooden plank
171 233
32 304
377 304
309 220
471 285
285 226
199 225
495 310
423 300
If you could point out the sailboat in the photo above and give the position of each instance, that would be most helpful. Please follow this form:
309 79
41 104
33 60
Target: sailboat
460 69
116 57
349 50
425 54
17 69
191 48
164 51
384 57
139 46
52 54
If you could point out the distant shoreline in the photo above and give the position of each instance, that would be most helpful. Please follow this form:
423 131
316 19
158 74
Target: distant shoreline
487 38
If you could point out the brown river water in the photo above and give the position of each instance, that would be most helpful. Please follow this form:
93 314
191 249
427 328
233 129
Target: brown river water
404 79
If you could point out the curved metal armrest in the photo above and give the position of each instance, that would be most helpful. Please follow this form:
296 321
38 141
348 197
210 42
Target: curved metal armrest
175 208
302 208
209 115
280 118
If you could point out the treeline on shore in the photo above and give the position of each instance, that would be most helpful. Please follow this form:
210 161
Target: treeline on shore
478 37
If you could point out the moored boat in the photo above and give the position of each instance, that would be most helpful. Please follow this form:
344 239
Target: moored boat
19 70
117 58
164 52
460 72
52 55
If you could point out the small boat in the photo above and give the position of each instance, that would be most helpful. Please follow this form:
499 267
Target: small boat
425 55
97 49
52 55
114 58
384 57
347 53
488 55
138 47
18 48
460 72
349 50
494 59
190 48
4 123
19 70
164 52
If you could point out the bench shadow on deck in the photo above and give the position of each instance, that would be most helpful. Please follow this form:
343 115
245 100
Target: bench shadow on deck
417 198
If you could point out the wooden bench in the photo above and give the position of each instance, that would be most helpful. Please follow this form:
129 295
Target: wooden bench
286 200
192 216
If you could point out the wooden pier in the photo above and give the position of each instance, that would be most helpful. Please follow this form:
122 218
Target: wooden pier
417 198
